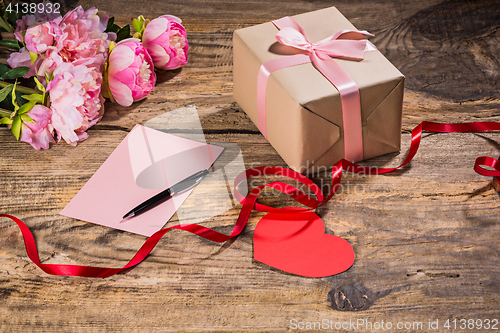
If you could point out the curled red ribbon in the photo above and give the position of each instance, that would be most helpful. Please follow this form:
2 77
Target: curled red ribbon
249 202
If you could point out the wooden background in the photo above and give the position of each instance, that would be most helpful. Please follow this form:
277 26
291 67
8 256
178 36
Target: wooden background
425 237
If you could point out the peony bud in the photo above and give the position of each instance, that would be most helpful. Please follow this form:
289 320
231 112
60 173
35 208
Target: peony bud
166 41
130 72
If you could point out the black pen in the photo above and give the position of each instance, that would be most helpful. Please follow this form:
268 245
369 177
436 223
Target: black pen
180 187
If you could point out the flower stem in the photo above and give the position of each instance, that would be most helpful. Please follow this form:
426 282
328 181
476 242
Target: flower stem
5 113
21 89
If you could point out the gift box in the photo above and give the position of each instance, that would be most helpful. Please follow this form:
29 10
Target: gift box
300 96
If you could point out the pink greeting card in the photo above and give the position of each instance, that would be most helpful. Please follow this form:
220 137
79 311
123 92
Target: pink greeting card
145 163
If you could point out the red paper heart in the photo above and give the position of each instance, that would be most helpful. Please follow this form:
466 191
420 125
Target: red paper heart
296 243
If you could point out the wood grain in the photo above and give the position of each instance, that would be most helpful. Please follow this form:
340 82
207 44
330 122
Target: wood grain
425 237
450 49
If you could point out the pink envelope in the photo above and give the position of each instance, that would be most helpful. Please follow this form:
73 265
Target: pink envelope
146 162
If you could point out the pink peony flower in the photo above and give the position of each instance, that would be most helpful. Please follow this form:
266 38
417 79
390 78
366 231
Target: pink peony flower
39 133
79 35
166 41
37 31
130 74
71 56
52 59
39 38
75 100
82 34
49 63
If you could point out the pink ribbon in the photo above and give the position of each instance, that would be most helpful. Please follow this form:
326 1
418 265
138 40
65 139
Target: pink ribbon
350 44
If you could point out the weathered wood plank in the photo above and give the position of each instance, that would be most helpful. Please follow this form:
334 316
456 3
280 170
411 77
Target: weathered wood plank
424 237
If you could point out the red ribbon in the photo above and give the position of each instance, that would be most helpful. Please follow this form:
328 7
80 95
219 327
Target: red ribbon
250 203
347 44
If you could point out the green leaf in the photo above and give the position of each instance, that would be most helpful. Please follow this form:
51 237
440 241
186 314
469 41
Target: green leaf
137 25
16 127
123 33
5 113
26 118
26 107
115 28
12 18
5 25
9 105
111 26
10 43
15 73
39 85
5 91
37 98
111 20
3 69
6 121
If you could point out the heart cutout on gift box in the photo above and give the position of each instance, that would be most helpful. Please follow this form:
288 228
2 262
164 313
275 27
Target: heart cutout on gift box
296 243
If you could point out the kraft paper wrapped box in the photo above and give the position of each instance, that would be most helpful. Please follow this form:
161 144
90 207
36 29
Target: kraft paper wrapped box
303 109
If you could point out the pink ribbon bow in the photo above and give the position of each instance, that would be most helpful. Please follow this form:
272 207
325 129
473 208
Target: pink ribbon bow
349 44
